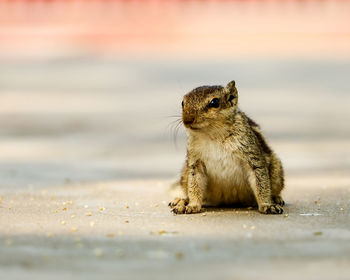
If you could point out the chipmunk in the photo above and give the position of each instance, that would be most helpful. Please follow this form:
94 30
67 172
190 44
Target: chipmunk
228 160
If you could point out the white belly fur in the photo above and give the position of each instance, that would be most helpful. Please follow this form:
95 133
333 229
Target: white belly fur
228 176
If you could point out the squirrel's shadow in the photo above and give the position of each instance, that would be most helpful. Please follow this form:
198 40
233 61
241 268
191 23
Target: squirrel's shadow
230 208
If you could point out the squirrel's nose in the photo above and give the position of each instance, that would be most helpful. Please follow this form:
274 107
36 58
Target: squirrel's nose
188 120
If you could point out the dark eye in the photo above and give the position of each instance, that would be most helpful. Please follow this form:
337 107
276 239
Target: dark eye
182 104
214 103
231 97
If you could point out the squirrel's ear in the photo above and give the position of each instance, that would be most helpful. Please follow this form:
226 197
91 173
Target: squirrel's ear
231 86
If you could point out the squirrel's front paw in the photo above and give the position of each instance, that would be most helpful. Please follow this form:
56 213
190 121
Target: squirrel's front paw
271 209
189 209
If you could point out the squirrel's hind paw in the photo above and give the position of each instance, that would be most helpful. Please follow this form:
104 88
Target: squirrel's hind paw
271 209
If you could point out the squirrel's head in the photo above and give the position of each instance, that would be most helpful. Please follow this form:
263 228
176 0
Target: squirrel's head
209 106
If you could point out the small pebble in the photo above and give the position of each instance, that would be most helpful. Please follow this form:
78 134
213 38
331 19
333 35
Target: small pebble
179 255
98 252
9 242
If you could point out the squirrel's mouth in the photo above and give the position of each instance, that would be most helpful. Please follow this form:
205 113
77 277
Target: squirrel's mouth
193 127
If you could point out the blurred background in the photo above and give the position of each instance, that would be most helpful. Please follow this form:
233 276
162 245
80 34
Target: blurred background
88 89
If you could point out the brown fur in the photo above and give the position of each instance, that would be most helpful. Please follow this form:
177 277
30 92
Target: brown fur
228 159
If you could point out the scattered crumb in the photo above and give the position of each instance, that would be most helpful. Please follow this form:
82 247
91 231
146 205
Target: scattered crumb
86 206
98 252
49 234
244 226
126 206
88 214
8 242
64 209
57 211
204 214
179 255
127 222
110 234
73 216
206 247
9 207
63 222
285 215
342 209
92 223
74 229
318 233
156 205
160 232
252 227
102 208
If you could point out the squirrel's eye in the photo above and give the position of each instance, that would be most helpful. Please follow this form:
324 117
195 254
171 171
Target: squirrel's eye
182 104
231 97
214 103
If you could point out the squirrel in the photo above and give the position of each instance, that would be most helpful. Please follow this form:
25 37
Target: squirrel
228 160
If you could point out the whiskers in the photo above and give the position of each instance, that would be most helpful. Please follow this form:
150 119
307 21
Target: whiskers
174 126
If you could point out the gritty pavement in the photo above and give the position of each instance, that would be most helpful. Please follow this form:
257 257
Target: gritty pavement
87 159
125 230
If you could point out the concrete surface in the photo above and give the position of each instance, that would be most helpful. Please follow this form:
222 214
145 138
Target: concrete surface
86 161
124 230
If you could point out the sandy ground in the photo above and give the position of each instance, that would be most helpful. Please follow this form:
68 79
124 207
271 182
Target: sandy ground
87 158
124 230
